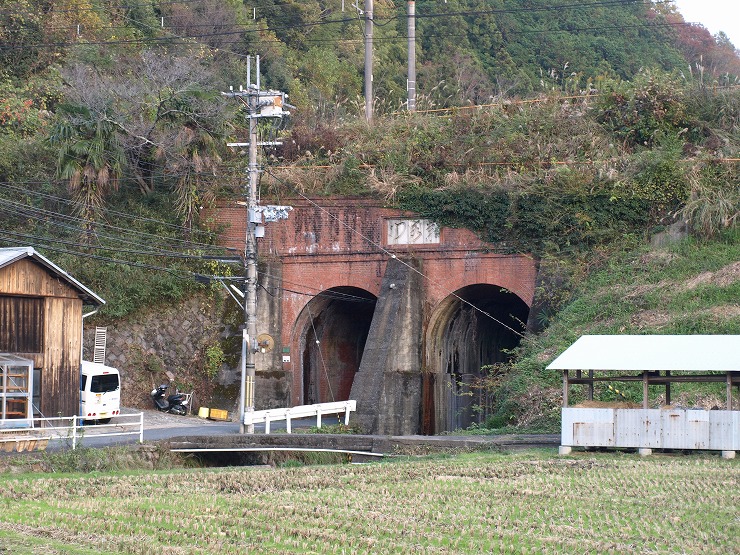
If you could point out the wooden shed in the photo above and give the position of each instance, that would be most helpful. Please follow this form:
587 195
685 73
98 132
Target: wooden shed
41 321
654 361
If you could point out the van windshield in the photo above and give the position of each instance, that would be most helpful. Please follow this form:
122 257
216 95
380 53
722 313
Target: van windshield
104 383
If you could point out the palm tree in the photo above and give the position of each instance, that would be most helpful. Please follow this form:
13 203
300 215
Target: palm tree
90 159
194 160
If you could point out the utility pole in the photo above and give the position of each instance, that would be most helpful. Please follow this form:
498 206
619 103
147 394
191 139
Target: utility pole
412 56
259 104
369 60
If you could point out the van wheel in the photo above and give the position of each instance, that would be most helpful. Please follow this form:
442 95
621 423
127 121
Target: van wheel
103 421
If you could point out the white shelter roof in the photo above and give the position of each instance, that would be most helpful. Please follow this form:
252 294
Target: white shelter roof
11 255
689 353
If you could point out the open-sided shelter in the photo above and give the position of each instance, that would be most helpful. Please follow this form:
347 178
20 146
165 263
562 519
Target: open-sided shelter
653 360
40 336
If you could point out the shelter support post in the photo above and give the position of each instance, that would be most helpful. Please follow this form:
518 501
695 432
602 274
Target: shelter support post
591 385
667 388
729 390
645 390
565 388
566 449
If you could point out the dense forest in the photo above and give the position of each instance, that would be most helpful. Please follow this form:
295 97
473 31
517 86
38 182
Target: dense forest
571 130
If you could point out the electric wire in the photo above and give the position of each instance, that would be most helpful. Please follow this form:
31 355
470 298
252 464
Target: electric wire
526 9
179 41
177 273
47 216
321 355
106 210
106 247
392 255
47 241
605 3
328 293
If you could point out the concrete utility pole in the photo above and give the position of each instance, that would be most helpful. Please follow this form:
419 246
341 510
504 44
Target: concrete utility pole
259 104
412 56
369 60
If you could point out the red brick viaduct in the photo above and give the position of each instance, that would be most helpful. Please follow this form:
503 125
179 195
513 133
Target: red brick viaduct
375 304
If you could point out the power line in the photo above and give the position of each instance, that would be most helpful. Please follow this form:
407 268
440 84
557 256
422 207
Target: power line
589 5
188 38
177 273
127 6
52 217
104 247
386 21
107 211
392 255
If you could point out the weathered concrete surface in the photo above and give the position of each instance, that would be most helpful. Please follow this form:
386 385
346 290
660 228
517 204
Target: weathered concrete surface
387 386
380 444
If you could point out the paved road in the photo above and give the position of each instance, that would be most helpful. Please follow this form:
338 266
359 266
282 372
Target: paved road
160 426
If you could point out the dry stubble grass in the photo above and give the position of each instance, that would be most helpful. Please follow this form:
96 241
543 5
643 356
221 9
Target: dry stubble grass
478 503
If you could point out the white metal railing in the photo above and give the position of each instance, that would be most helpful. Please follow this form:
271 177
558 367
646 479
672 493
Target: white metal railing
73 428
301 411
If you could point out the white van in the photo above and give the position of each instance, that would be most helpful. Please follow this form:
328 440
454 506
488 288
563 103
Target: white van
100 392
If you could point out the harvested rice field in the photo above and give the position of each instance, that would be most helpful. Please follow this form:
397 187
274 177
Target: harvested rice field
533 502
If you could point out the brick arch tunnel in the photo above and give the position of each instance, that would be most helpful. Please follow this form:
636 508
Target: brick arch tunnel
333 327
468 330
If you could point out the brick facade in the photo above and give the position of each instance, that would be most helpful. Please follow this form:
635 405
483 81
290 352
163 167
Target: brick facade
344 243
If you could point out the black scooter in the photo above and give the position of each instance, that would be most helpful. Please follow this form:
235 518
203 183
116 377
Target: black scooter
175 404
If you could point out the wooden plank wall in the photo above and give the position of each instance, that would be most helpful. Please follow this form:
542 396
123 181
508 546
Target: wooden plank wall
25 277
21 324
61 372
59 359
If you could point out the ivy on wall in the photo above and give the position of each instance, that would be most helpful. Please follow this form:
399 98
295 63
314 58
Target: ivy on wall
536 221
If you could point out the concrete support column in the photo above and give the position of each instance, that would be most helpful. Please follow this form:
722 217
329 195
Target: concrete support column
387 387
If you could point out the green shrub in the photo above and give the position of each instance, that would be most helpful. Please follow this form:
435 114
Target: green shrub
214 360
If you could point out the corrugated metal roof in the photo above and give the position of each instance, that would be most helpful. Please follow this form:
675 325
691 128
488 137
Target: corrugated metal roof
11 255
652 352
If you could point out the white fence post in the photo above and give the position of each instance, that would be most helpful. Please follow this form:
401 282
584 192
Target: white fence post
72 428
74 432
301 411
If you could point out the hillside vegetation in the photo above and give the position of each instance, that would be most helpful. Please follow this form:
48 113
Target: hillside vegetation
573 132
689 287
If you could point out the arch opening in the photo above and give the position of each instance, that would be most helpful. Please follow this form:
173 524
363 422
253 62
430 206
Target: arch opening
462 340
335 329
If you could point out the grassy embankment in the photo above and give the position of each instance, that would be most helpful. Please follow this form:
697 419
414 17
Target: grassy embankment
689 287
475 503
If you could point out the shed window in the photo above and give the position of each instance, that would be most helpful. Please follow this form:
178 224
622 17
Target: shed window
21 324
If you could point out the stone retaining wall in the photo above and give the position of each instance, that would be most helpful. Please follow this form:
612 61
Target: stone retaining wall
165 344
